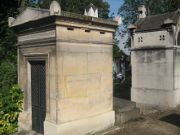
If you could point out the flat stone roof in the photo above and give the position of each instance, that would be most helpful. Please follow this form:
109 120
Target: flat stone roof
31 16
156 22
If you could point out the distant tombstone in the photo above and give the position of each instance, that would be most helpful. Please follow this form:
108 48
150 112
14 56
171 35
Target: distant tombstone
91 10
118 19
10 21
142 11
55 8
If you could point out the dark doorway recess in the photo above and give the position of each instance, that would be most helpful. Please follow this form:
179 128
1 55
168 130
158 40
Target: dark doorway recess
122 90
172 119
38 95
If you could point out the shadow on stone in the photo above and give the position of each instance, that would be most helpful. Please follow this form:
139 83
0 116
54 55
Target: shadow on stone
172 119
122 91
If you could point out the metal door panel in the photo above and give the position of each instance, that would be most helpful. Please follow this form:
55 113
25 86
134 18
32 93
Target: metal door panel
38 95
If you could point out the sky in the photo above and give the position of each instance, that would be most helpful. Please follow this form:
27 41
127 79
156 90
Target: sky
114 5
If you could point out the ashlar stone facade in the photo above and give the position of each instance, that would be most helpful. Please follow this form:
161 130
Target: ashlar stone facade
155 60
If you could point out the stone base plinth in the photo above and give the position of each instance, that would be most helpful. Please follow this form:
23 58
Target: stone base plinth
160 99
24 121
81 127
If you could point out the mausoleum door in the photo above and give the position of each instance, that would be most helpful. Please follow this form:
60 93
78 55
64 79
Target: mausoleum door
38 95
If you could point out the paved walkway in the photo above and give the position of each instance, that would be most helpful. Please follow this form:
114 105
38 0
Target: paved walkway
164 123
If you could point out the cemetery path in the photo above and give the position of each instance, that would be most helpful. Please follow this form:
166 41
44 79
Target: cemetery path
159 123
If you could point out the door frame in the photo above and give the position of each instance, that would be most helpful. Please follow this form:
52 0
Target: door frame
37 57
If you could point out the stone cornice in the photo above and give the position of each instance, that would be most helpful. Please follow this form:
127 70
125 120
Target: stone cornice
53 42
52 21
154 48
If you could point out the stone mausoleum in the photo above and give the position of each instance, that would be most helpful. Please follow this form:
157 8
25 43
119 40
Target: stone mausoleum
65 70
155 59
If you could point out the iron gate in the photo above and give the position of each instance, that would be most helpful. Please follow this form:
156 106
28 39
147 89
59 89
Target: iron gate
38 95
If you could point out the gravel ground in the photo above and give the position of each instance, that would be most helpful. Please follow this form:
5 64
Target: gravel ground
153 124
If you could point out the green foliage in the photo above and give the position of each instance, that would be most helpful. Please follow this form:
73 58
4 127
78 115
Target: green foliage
7 76
7 37
7 44
9 96
117 52
10 107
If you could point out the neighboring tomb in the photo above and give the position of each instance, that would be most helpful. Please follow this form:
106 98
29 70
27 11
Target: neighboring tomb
155 59
65 71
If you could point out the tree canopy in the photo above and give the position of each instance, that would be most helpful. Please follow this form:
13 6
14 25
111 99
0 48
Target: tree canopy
7 37
128 10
